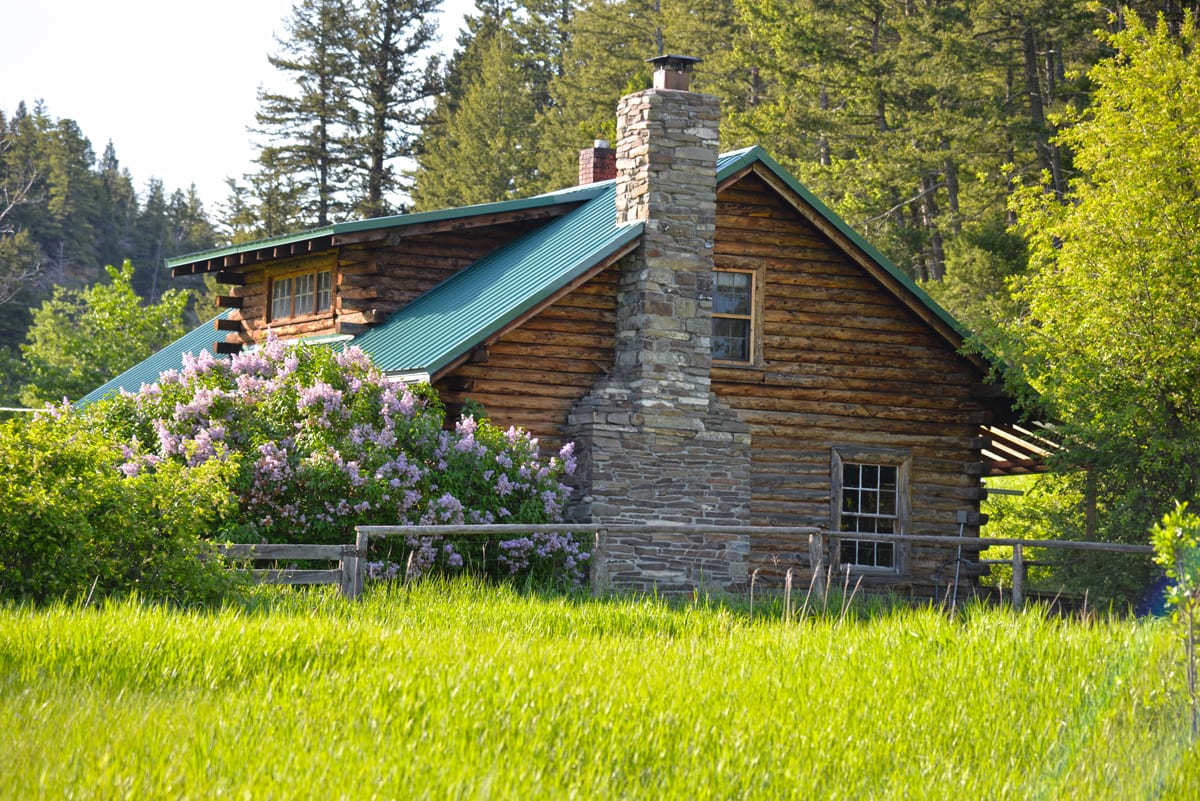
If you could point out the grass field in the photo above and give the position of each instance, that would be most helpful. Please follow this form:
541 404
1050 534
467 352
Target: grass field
467 691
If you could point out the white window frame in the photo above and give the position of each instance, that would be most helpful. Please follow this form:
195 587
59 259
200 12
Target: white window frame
901 461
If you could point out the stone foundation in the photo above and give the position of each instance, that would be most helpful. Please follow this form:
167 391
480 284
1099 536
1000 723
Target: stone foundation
670 562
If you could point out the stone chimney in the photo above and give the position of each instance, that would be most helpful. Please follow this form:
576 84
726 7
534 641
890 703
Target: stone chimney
653 441
597 163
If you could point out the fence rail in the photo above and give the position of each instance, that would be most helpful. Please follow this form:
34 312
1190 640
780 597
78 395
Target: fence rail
351 570
347 575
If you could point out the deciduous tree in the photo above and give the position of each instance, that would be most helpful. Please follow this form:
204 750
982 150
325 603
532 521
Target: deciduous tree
81 338
1110 338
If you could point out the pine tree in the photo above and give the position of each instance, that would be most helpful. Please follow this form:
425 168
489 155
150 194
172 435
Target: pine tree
392 78
903 116
607 44
118 208
308 127
21 260
485 152
509 53
279 196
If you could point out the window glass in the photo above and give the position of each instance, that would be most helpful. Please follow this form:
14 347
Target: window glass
733 293
733 315
324 290
731 339
304 294
281 300
869 506
301 295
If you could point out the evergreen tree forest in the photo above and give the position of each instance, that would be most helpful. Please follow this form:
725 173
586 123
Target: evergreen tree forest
926 124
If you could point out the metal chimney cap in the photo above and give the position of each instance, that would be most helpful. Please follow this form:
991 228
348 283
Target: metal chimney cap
673 72
674 62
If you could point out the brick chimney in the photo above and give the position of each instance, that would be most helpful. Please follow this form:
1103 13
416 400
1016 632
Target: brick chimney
597 163
653 441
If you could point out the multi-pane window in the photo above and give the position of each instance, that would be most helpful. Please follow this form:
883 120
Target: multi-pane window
733 316
870 505
301 295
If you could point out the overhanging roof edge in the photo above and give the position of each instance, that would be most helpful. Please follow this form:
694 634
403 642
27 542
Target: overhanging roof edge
577 194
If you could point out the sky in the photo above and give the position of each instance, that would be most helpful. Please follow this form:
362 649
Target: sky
172 84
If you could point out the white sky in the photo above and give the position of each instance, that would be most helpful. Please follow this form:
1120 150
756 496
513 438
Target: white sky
171 83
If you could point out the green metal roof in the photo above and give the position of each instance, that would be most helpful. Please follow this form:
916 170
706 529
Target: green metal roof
169 358
574 194
479 301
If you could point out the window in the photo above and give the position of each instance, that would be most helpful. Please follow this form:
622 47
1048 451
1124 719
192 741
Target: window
301 295
871 497
733 316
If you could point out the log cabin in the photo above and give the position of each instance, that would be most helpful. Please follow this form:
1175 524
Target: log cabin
723 349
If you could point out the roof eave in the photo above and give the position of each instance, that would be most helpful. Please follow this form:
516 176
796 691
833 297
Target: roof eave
455 352
364 230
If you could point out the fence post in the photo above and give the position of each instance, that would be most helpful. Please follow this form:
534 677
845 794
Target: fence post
816 559
354 566
347 569
1018 580
598 576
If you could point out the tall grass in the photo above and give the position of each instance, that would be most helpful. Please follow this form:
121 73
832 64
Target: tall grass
466 691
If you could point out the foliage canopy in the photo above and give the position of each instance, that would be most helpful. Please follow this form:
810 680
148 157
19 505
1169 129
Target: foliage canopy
1109 337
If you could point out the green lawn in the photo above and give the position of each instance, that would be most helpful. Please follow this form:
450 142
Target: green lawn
467 691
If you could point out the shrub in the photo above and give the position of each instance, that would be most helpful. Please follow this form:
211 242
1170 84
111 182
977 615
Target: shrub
321 441
71 525
1176 540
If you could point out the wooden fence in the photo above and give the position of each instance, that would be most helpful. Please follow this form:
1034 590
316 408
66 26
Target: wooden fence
348 575
823 547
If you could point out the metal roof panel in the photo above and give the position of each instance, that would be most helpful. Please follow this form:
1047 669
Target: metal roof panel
477 302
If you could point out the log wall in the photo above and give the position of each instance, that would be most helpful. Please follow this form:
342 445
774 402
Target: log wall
842 364
532 375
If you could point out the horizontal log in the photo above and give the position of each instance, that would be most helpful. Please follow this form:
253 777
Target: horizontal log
228 302
529 383
227 324
368 290
501 355
352 329
876 409
293 577
552 338
286 551
818 388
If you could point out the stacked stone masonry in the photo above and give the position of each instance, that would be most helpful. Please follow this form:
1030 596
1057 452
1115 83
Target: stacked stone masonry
654 442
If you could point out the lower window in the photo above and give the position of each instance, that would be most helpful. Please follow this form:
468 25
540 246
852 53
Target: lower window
871 497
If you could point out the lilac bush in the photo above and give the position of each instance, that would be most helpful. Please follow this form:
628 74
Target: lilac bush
320 441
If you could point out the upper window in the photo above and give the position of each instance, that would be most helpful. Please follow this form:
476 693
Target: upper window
301 295
733 316
871 493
